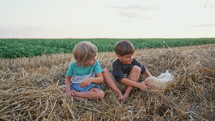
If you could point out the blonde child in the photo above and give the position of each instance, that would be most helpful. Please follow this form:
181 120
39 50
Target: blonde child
126 71
85 73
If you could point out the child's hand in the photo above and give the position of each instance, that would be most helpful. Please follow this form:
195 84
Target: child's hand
120 97
70 93
144 86
85 83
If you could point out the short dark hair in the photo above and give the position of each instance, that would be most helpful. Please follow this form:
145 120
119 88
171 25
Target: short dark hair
124 47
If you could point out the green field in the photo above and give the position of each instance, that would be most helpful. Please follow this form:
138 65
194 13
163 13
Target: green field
14 48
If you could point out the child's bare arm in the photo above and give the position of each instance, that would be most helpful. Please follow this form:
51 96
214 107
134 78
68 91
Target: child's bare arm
129 82
98 79
147 73
67 84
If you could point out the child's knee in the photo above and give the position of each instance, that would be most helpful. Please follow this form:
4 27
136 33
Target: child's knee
105 70
136 69
100 94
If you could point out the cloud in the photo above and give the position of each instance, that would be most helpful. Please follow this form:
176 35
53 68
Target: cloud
128 14
209 4
136 7
15 29
132 15
19 31
203 25
134 11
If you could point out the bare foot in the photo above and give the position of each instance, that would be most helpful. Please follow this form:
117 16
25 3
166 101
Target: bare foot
73 93
79 99
62 87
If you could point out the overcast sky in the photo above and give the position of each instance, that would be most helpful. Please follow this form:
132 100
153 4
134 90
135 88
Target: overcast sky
107 18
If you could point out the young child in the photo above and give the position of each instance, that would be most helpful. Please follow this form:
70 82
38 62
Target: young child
85 73
126 71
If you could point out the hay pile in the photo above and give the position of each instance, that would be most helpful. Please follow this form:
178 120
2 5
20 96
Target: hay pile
29 88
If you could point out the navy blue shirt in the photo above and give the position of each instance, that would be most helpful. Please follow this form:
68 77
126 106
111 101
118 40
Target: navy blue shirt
121 70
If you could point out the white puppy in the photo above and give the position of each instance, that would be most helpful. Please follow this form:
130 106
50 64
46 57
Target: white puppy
159 82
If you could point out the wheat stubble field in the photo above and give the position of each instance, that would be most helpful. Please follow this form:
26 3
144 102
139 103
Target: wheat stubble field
29 89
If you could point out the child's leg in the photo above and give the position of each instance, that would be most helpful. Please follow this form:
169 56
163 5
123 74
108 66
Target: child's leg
110 82
93 93
133 76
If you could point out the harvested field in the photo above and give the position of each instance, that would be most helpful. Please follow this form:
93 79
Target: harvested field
29 88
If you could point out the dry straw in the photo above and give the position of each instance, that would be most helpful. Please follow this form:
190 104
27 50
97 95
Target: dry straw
29 89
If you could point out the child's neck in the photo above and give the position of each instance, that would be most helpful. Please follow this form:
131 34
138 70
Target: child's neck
84 65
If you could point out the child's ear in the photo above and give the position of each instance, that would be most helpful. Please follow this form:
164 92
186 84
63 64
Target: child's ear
118 55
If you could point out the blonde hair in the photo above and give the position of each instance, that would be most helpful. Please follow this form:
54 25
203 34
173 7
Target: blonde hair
124 47
84 51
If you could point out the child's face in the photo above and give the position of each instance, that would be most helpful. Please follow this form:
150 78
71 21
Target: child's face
90 61
126 59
